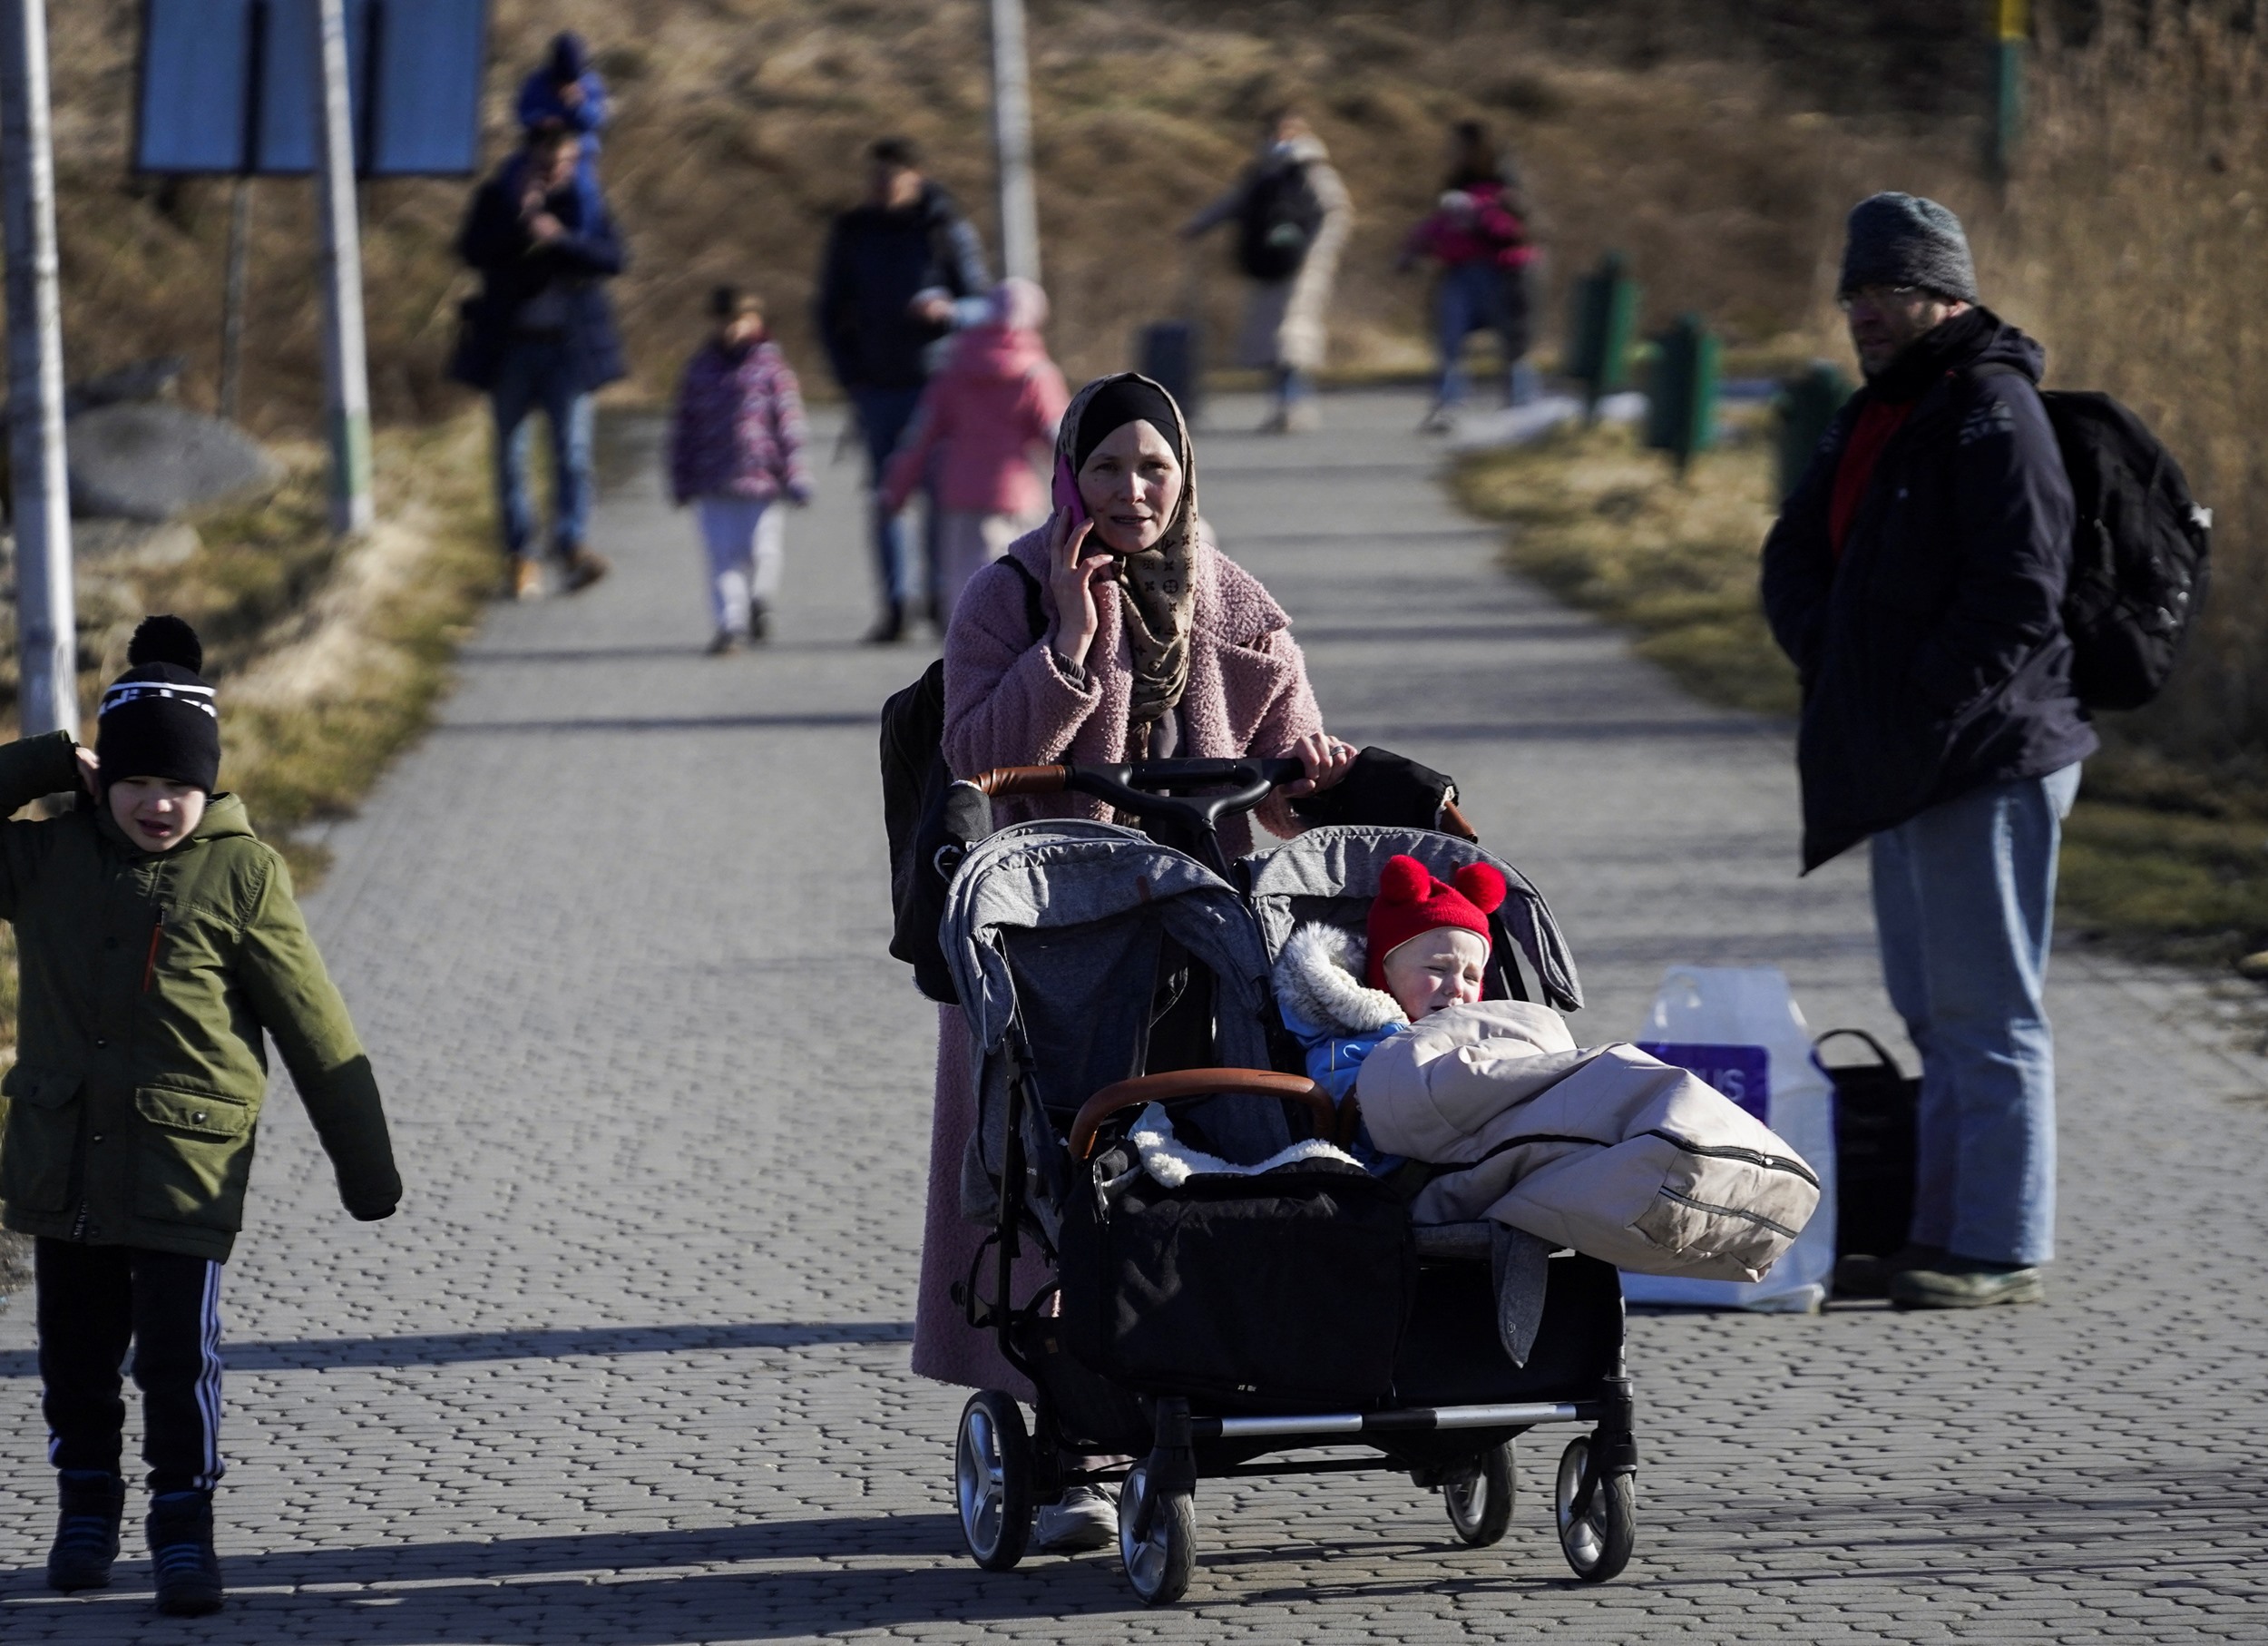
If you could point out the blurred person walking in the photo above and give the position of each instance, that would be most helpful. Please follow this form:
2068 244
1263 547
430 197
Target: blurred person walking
540 337
898 274
1916 577
982 421
736 450
1293 216
1477 234
564 90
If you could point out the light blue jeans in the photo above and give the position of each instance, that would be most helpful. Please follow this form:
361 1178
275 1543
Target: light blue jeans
1964 902
535 375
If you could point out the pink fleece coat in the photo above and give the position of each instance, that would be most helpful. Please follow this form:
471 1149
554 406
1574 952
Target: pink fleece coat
981 422
1008 703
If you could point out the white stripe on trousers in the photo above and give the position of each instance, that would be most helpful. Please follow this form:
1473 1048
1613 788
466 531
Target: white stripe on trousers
208 1378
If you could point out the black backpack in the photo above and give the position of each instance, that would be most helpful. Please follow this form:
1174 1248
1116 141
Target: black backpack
914 791
2139 547
1282 215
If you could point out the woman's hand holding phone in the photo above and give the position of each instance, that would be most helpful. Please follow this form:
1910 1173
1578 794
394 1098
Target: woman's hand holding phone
1072 572
1072 576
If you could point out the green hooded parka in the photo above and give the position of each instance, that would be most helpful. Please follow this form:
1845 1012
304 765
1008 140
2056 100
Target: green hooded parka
148 981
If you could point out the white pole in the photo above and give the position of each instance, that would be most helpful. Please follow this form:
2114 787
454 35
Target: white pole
346 368
1012 143
46 622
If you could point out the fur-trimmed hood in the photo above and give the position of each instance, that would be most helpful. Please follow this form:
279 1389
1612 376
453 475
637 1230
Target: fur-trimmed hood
1319 976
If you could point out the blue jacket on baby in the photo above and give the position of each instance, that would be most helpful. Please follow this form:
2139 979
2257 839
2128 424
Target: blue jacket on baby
1336 1018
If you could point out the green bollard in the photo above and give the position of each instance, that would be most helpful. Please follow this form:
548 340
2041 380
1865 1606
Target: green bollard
1681 412
1806 404
1602 318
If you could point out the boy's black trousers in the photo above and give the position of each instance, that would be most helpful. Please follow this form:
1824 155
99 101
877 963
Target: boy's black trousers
94 1300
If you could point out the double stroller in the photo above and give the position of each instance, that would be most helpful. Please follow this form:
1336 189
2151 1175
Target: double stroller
1203 1323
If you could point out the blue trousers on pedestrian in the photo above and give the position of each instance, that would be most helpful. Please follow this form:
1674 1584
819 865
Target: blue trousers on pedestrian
1479 297
883 415
536 375
1964 901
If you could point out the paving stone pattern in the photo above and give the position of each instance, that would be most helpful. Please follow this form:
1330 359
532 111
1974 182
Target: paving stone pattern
629 1367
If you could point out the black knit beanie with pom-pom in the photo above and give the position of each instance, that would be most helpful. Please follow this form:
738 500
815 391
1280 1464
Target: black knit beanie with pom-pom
159 719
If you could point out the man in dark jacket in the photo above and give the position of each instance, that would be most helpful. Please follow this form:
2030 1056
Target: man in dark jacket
895 267
540 337
1916 577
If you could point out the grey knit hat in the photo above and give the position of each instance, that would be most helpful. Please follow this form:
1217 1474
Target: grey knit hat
1898 240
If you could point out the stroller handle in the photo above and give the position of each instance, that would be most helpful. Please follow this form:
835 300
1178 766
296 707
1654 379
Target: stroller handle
1144 1089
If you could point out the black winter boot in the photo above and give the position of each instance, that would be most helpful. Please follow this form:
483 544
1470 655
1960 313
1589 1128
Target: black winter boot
86 1531
181 1551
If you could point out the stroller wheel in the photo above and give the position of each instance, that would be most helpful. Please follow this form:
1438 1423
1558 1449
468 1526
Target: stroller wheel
1156 1539
1596 1532
1481 1505
991 1470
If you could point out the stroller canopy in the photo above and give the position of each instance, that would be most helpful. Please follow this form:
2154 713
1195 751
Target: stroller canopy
1078 931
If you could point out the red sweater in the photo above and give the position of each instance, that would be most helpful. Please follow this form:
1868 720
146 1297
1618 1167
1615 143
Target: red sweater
1878 422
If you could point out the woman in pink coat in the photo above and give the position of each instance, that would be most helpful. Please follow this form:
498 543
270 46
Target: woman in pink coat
981 423
1155 644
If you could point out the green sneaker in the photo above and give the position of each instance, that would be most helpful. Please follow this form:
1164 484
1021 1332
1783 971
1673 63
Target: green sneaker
1967 1283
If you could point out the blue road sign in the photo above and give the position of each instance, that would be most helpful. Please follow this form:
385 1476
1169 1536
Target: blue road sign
228 86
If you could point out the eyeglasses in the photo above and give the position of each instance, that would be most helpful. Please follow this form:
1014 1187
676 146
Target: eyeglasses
1883 297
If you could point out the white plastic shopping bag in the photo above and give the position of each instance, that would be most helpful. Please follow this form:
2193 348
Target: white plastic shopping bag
1738 1028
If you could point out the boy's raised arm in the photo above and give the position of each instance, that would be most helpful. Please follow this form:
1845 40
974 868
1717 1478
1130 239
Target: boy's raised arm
33 767
30 768
300 1006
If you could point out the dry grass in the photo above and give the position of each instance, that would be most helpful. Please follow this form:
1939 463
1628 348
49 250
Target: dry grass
1604 525
2135 246
1697 136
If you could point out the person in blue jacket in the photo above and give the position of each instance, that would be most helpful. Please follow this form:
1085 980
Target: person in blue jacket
564 90
540 337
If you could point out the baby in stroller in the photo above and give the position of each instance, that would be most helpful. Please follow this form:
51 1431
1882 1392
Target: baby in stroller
1493 1112
1427 946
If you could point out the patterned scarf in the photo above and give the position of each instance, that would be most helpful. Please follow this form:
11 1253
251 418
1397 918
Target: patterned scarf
1158 587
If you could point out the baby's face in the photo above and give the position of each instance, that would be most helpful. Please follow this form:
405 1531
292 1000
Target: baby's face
1439 968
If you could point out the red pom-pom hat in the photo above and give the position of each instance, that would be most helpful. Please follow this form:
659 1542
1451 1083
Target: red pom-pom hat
1411 902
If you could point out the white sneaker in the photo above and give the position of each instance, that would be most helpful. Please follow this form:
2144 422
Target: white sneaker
1084 1517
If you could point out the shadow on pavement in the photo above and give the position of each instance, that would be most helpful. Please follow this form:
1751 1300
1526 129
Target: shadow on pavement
688 649
1554 731
819 721
458 1348
628 1588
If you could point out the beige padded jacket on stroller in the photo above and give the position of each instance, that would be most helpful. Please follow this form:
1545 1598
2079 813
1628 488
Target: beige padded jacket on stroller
1610 1152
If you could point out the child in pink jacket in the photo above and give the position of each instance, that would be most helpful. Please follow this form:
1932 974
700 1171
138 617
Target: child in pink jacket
981 422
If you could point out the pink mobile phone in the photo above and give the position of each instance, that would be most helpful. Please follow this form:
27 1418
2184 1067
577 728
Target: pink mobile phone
1067 497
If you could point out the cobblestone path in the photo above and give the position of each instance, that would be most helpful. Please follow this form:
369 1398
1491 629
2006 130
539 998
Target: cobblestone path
631 1367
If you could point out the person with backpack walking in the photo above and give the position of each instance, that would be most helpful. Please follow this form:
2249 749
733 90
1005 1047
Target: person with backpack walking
897 271
1477 234
1292 215
981 422
162 950
1917 578
736 451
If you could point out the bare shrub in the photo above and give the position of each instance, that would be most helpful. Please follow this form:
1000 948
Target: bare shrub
2135 235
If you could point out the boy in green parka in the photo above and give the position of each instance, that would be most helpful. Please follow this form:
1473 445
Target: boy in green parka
158 942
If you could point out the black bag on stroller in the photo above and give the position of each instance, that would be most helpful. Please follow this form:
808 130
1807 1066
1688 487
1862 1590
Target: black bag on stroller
1287 1289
